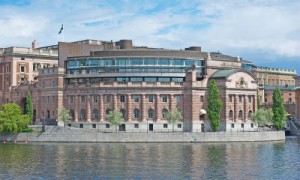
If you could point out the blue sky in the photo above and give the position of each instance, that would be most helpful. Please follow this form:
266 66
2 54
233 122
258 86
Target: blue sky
266 32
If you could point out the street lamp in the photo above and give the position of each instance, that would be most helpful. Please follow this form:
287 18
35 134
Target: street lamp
43 123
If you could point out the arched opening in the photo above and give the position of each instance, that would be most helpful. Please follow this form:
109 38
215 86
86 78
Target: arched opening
82 115
71 112
164 113
250 114
240 114
123 113
136 113
230 115
95 115
150 113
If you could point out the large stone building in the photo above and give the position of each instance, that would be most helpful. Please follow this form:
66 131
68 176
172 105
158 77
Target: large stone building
95 77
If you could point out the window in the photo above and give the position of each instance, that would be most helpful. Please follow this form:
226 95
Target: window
249 99
178 98
95 99
202 117
164 98
252 125
136 125
136 113
108 98
230 115
82 99
22 68
165 125
150 98
122 98
107 111
80 125
82 114
232 125
95 114
240 114
53 83
94 126
201 98
164 113
136 98
240 99
150 113
249 114
70 99
107 126
72 114
242 125
178 125
123 113
48 99
22 58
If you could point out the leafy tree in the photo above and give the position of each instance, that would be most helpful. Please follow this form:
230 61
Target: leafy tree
115 118
214 105
12 119
263 116
64 115
174 116
29 106
278 110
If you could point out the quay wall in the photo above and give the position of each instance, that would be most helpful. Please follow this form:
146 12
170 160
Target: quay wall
78 136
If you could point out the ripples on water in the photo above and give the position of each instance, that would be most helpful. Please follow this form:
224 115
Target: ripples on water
260 160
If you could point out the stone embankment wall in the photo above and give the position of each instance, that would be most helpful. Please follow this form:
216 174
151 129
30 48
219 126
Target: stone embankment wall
67 135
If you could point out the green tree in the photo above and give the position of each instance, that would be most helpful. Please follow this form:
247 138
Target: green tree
12 119
214 105
278 110
64 115
174 116
263 117
29 107
115 118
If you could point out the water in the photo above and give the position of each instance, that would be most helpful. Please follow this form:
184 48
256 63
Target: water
259 160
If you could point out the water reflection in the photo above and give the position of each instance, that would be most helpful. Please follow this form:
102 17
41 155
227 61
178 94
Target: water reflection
269 160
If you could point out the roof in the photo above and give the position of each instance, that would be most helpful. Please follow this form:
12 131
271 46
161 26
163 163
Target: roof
224 73
267 87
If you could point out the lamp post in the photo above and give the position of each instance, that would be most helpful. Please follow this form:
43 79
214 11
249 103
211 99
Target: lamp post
43 123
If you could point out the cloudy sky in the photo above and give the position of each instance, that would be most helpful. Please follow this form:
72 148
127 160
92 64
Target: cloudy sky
266 32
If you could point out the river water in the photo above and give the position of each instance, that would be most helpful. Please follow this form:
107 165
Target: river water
242 160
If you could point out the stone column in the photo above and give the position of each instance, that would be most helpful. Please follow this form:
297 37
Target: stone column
157 108
172 102
254 103
129 108
235 111
101 107
76 105
144 108
115 101
245 108
88 108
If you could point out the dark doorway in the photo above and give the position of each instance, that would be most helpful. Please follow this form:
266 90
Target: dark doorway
34 116
122 127
150 127
202 128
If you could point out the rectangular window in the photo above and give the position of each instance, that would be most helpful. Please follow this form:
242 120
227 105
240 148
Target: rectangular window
178 98
242 125
22 68
230 98
201 98
178 125
240 99
80 125
136 98
150 98
95 99
252 125
53 83
122 98
108 98
165 125
164 98
70 99
249 99
136 125
94 126
22 58
83 99
107 126
232 125
48 99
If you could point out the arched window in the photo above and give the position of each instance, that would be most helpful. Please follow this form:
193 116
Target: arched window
95 115
71 112
230 115
107 111
240 114
136 113
123 112
250 114
150 113
82 115
164 113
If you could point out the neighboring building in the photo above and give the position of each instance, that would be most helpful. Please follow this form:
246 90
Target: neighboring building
95 77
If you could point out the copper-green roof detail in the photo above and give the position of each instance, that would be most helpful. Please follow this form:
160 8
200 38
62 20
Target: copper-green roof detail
224 73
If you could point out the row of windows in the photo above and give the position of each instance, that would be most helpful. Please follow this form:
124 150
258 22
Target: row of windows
135 125
129 70
240 98
240 114
122 98
126 79
136 113
132 62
